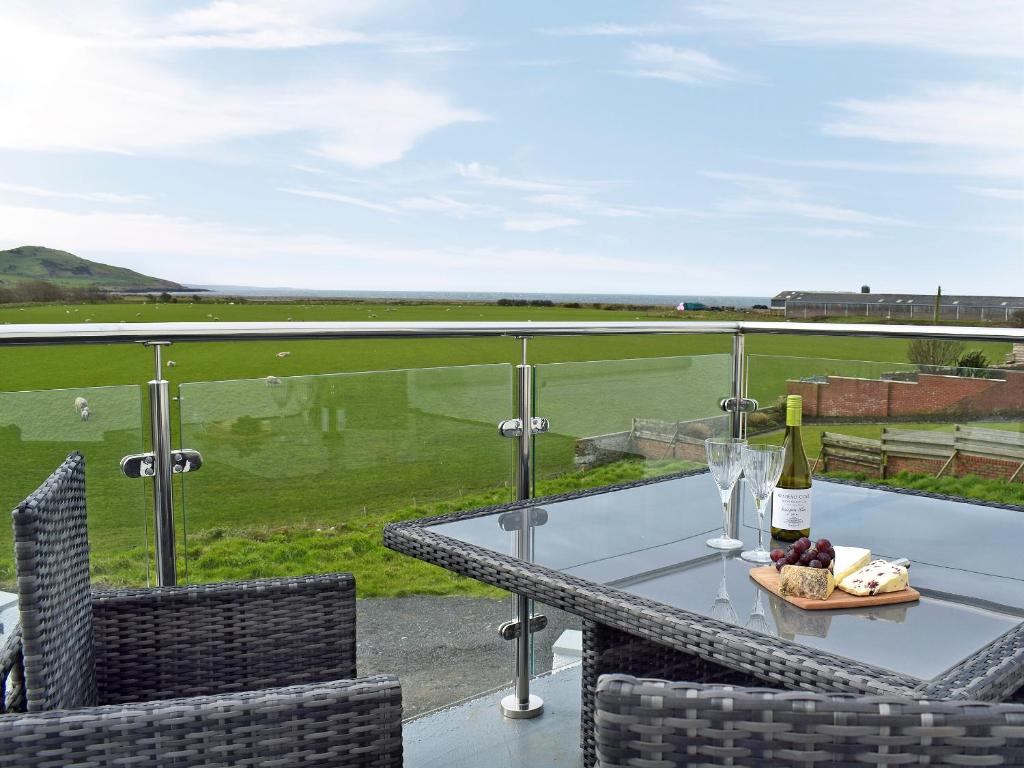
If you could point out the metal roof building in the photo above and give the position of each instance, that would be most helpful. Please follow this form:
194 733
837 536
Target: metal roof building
895 305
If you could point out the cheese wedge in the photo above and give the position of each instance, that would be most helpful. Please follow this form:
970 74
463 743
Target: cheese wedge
876 577
848 560
812 583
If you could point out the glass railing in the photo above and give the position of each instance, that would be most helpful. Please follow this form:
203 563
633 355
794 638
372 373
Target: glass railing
302 472
614 421
629 418
39 429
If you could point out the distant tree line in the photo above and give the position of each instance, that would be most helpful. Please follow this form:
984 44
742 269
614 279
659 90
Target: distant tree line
31 291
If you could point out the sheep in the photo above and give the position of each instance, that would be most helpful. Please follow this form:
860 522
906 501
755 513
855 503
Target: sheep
82 406
84 415
171 363
273 381
283 354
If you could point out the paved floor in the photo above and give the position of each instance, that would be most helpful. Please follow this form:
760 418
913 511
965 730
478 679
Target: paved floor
475 735
444 649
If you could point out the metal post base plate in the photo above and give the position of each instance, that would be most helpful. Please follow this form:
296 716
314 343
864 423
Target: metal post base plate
511 708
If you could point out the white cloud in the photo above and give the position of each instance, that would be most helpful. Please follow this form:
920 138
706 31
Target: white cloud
972 129
966 27
784 197
612 29
975 115
832 233
130 102
450 206
490 176
92 197
679 65
539 222
337 198
214 253
998 193
763 184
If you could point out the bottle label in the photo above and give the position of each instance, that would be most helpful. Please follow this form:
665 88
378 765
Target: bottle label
791 508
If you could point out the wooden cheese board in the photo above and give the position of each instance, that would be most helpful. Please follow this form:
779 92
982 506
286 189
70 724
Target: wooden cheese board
768 578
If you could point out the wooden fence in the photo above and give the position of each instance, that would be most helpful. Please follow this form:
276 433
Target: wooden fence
964 450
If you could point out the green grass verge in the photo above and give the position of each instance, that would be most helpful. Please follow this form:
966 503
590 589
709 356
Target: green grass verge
353 544
971 486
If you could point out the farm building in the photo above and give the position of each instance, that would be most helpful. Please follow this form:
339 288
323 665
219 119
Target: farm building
798 304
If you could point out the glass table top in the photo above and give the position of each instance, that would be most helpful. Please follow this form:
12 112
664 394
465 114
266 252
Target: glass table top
649 541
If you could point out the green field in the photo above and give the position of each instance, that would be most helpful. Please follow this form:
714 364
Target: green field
357 430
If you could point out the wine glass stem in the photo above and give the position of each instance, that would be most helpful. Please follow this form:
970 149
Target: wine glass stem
726 495
759 504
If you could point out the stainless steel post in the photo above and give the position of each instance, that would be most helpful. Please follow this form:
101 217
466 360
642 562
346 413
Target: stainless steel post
522 705
739 380
163 498
737 422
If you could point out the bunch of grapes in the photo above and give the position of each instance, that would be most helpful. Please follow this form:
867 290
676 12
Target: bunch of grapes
805 552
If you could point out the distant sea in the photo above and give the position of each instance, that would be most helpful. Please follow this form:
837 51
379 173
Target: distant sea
283 294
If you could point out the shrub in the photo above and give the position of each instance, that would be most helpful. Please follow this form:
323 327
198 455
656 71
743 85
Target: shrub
935 351
973 359
1017 318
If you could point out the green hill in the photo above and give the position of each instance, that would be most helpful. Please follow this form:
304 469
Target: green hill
34 262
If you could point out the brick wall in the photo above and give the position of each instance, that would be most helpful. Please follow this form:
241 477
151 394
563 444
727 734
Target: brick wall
877 399
896 464
994 469
834 464
656 449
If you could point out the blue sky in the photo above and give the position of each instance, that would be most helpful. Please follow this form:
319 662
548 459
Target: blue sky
730 146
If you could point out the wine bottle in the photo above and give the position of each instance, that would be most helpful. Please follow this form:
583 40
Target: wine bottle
791 500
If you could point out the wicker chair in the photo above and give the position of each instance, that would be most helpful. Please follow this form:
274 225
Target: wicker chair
257 673
658 724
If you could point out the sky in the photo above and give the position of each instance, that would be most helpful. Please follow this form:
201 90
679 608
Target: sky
735 147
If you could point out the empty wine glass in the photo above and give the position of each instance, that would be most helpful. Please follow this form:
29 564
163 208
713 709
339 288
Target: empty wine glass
725 463
762 465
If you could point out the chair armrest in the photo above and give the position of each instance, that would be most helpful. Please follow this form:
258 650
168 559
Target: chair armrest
346 723
637 721
12 674
216 638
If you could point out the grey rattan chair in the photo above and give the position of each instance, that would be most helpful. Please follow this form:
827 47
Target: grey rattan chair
257 673
658 724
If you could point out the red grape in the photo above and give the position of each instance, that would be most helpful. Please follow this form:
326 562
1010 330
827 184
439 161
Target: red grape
815 564
777 554
805 559
825 559
824 544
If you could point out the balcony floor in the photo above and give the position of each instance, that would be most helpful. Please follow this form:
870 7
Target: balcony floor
474 734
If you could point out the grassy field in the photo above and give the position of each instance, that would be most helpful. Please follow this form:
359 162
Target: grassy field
397 425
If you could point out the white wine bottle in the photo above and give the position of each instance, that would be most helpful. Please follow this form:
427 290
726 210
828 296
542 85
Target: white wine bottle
791 501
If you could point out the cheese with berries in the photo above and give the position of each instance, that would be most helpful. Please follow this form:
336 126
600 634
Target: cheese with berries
812 583
848 560
876 577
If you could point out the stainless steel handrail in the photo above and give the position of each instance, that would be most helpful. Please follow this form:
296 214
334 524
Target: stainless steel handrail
114 333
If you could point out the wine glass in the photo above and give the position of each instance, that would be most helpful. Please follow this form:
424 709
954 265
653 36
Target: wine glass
725 463
722 609
762 465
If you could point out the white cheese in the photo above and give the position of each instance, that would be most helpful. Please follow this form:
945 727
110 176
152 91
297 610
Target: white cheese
848 560
876 577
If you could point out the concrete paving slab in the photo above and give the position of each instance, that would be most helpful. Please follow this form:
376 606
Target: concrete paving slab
475 735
